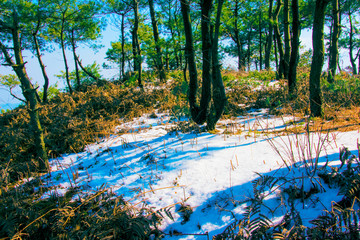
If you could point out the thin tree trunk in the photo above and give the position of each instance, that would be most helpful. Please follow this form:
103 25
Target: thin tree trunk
236 34
90 74
177 50
43 70
295 42
286 38
269 37
218 91
317 58
351 46
159 60
260 42
190 56
249 49
122 63
77 74
167 58
136 44
359 62
62 43
334 47
173 37
276 57
281 67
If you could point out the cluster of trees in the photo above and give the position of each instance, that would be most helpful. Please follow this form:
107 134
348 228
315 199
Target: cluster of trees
178 34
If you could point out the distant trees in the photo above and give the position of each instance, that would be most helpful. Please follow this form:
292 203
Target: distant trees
349 39
165 35
73 22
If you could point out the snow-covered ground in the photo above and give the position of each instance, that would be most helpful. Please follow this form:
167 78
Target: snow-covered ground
152 163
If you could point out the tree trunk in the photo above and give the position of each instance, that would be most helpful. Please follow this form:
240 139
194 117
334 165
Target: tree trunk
206 6
260 42
159 60
236 37
334 47
281 67
211 67
249 48
43 71
269 37
351 45
136 44
90 74
190 57
317 58
295 42
359 62
29 93
122 62
77 74
218 90
286 38
276 57
62 43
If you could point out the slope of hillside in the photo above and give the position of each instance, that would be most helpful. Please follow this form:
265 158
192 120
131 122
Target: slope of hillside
207 179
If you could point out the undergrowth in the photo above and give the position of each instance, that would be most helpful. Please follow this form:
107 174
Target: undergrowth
77 214
341 221
70 122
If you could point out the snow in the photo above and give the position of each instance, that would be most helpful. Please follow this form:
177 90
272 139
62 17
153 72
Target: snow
148 162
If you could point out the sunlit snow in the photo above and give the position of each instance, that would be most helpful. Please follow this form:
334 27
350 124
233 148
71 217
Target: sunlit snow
150 162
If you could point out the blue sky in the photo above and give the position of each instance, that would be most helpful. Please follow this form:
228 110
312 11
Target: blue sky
54 63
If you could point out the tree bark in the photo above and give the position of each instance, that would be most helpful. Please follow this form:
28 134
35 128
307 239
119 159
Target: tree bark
249 48
136 44
211 68
62 43
269 37
317 58
295 42
218 90
90 74
43 70
260 42
29 93
190 57
276 56
286 38
122 63
351 45
334 47
281 67
206 6
77 74
236 37
159 60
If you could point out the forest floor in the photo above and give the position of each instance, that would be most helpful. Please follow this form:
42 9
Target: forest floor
209 180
